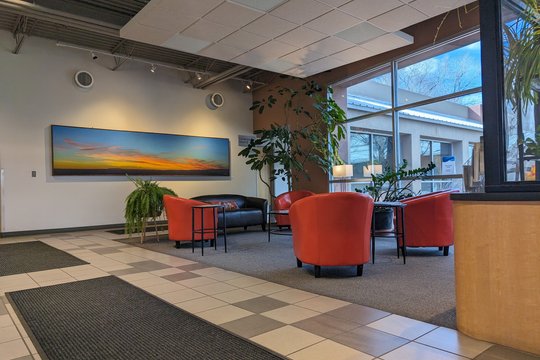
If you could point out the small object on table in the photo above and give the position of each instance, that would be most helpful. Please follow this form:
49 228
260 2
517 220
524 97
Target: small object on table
276 232
397 232
215 208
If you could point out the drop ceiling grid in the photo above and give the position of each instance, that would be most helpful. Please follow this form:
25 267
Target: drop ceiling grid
292 25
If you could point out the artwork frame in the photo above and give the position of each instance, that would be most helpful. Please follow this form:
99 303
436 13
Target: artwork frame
82 151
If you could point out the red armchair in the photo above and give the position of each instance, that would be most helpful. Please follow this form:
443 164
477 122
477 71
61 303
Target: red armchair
332 230
429 221
180 220
284 202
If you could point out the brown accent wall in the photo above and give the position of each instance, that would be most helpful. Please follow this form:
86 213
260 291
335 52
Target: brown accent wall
456 22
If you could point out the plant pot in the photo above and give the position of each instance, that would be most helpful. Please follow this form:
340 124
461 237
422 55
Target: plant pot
384 220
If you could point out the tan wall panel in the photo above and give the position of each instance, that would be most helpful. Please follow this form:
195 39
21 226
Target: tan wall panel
497 264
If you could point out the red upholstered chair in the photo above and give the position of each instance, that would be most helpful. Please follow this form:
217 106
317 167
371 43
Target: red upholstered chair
284 202
429 221
179 219
332 230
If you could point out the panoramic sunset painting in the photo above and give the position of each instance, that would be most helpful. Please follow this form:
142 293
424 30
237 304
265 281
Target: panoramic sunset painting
86 151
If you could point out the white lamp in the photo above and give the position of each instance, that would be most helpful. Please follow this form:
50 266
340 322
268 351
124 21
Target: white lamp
342 172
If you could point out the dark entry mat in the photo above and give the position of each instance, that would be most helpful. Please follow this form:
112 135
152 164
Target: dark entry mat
149 230
25 257
108 318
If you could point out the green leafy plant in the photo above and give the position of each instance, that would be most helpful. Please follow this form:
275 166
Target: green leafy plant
390 185
292 143
143 203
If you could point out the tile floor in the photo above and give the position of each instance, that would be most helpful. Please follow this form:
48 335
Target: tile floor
295 323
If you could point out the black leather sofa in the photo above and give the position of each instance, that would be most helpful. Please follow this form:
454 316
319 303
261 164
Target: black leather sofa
251 210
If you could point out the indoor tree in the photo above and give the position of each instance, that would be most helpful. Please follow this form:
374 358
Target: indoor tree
307 134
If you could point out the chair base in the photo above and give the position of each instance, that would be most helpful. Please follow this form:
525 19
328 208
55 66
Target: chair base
317 269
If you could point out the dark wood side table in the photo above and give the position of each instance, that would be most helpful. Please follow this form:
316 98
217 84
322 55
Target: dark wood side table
215 208
277 232
399 228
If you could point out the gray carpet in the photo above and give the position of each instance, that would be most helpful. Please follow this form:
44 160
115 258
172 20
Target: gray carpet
107 318
33 256
423 289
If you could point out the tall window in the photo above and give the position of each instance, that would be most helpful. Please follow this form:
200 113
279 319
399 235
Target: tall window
437 95
440 154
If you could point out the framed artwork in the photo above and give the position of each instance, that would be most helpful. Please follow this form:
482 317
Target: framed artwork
89 151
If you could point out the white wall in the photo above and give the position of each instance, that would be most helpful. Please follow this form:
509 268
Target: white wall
37 90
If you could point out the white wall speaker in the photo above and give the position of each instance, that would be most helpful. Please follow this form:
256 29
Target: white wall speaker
84 79
214 101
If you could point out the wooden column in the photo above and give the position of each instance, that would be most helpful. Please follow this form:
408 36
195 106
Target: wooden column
497 265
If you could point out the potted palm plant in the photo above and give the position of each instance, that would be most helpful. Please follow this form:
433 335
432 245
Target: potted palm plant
143 203
390 186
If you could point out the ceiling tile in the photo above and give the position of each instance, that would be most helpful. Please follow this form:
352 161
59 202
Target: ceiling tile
279 66
361 33
334 3
303 56
222 52
269 26
208 31
301 37
332 22
196 8
233 15
263 5
147 34
353 54
398 19
322 65
165 20
185 43
301 11
330 45
388 42
251 59
436 7
274 49
243 40
366 9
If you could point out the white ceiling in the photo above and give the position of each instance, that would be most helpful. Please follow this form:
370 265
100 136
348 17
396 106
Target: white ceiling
294 37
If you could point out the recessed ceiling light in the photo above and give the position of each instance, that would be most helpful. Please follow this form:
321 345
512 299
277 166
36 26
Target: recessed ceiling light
153 68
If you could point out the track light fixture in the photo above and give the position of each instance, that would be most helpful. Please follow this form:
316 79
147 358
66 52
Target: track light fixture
153 68
198 76
248 86
94 56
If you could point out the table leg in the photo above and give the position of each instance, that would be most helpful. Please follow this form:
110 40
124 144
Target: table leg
373 238
192 230
202 232
404 248
214 212
269 224
224 229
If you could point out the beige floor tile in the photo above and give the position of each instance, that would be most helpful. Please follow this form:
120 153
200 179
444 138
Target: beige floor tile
181 295
149 282
403 327
164 288
197 281
212 289
329 349
201 304
207 271
292 296
290 314
73 270
287 339
414 351
267 288
9 333
12 280
174 261
13 349
452 341
57 282
322 304
90 275
224 314
125 258
245 281
30 345
224 275
113 267
137 276
236 296
165 272
5 321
